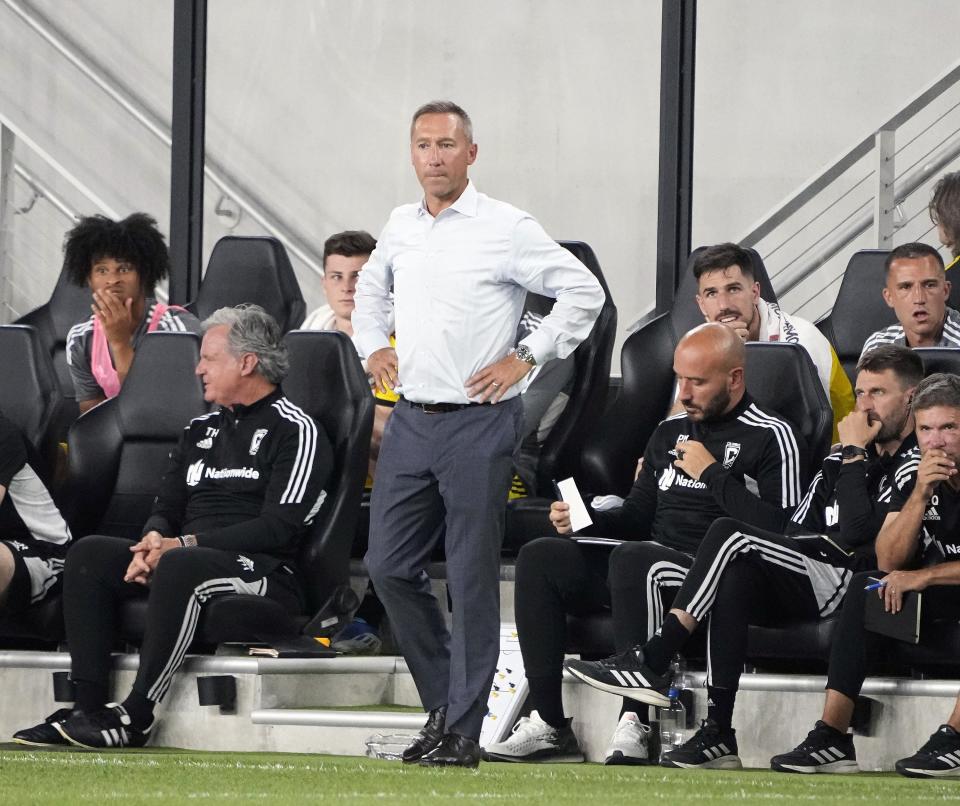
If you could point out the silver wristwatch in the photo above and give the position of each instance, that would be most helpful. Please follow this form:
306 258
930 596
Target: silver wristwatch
524 354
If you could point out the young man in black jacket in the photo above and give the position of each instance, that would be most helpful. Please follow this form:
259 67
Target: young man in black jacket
743 575
239 493
724 455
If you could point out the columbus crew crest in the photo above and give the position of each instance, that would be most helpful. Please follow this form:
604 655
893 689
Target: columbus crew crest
730 453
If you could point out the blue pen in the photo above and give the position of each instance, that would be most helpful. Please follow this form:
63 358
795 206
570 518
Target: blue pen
873 586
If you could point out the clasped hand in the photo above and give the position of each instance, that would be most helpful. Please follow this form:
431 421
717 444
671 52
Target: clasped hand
146 555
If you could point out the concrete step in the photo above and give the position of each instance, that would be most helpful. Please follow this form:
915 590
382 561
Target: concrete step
304 705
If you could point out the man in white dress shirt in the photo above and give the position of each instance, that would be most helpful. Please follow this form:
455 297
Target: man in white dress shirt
459 265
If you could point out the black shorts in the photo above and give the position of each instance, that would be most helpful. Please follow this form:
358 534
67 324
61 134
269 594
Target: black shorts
37 573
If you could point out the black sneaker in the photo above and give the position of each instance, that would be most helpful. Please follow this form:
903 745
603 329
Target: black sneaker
708 749
824 750
110 727
625 674
938 758
45 734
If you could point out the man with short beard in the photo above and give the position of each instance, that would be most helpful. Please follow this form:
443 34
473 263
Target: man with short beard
743 575
728 293
724 455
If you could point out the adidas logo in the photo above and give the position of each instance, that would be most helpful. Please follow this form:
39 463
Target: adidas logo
828 755
245 562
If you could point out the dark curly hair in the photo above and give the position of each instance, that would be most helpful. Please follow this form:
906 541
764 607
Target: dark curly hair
135 240
945 208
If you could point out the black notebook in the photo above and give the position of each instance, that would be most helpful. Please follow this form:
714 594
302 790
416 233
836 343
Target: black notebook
904 626
295 646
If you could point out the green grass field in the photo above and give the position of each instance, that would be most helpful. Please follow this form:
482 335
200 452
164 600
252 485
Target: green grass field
172 776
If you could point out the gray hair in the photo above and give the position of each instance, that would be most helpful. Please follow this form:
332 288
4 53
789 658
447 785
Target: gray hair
939 389
444 108
253 330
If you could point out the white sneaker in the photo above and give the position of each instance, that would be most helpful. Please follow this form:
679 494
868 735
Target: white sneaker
630 743
534 740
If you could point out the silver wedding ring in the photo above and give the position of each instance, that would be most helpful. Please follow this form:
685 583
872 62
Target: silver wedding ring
495 385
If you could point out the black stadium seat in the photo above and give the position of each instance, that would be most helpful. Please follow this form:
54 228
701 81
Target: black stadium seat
30 395
859 310
67 306
939 359
117 453
561 453
118 450
782 377
251 269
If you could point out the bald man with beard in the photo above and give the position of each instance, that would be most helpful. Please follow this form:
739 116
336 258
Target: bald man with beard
723 455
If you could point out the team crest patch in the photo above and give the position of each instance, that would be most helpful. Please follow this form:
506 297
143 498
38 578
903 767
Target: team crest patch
730 453
258 436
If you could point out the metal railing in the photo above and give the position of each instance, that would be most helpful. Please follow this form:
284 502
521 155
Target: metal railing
806 240
228 185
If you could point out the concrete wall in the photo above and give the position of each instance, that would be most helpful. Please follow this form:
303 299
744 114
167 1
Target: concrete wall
308 104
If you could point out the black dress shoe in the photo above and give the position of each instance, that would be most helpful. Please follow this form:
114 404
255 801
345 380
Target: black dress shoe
428 738
454 750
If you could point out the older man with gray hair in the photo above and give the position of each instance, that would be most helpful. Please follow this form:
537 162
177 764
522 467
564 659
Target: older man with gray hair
239 493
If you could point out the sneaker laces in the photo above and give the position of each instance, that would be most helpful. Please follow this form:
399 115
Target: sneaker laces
527 727
629 658
818 738
628 728
60 715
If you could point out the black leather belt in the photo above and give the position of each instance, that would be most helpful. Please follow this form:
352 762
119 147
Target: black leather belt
441 408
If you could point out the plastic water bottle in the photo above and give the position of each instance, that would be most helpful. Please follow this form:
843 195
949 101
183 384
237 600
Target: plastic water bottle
673 723
388 746
679 677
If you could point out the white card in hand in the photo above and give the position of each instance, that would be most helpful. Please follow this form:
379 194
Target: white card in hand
579 517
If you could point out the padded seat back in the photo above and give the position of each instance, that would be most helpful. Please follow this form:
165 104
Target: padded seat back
939 359
251 269
620 436
30 395
859 310
560 454
781 377
67 306
118 450
327 381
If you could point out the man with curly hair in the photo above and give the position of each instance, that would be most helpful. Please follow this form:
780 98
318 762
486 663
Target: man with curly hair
121 262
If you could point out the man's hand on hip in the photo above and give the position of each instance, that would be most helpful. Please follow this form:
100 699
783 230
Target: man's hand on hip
383 369
491 382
